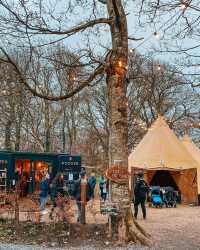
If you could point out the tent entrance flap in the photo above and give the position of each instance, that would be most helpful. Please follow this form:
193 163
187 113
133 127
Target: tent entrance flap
163 178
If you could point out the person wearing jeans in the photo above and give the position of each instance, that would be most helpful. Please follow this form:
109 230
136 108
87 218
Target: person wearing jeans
140 191
44 190
103 187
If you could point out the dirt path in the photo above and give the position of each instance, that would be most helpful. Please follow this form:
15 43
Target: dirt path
174 228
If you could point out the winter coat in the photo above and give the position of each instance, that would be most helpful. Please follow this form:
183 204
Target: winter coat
103 185
44 188
141 189
60 186
92 182
77 190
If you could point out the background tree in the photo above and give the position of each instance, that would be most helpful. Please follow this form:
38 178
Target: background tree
36 25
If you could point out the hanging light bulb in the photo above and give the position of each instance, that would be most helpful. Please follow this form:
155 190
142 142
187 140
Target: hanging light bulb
159 67
131 50
183 6
156 34
120 63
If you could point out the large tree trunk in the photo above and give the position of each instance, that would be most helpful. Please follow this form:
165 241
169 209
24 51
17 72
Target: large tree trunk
128 229
17 135
47 128
8 135
63 132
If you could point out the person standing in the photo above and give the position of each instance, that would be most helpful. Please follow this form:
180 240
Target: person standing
140 192
103 187
77 194
58 193
60 184
92 182
44 190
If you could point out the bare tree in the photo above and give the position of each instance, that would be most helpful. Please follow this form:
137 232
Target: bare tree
176 25
159 89
28 21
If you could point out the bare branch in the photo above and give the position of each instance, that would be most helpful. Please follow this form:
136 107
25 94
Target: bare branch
44 30
135 39
98 71
102 1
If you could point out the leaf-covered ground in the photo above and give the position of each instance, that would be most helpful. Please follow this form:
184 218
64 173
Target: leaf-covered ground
171 228
53 235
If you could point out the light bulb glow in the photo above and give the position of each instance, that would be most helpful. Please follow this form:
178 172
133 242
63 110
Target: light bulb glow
131 50
183 6
120 63
159 67
156 35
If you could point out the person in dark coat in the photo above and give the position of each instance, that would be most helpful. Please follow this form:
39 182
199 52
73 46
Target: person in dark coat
57 194
77 192
92 182
44 191
140 192
60 185
103 187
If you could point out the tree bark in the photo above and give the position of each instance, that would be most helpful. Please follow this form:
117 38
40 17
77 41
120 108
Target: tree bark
47 128
117 61
8 135
17 136
63 132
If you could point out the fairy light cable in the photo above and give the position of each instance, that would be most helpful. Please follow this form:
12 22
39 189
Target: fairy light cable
155 32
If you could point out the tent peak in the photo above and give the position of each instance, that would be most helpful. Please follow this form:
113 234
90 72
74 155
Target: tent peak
160 121
161 149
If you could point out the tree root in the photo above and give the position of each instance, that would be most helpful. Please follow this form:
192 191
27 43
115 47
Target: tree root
130 231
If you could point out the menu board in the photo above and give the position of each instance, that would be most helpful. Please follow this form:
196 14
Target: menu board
70 166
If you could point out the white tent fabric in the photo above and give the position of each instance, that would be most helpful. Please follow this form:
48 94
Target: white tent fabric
195 152
160 149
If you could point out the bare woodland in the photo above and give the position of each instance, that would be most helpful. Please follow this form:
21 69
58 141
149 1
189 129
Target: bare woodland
64 88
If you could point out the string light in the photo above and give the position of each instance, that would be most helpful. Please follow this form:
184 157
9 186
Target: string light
156 34
120 63
159 67
183 6
131 50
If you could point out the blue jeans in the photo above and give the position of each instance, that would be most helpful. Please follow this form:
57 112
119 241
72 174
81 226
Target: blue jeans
43 201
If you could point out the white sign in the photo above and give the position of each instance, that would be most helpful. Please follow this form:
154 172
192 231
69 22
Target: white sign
71 177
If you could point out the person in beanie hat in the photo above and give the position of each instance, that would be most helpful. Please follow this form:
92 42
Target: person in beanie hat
140 192
77 192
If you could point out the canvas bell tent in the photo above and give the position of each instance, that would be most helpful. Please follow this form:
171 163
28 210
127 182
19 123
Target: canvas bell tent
195 152
166 161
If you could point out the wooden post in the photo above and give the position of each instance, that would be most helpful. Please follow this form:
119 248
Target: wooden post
83 199
16 206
